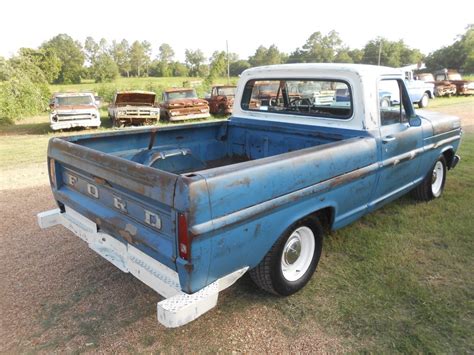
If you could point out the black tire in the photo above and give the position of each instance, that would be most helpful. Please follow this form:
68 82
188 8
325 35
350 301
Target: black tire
165 116
221 110
423 101
431 188
269 274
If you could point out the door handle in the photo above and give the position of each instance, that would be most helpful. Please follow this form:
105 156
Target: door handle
387 139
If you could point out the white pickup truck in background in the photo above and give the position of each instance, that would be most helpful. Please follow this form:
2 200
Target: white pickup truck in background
420 92
70 110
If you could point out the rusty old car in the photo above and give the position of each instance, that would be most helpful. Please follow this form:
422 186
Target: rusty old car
441 87
179 104
452 77
134 108
221 99
68 110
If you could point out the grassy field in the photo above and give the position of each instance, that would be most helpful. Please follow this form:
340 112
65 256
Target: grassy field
107 90
457 101
26 141
397 280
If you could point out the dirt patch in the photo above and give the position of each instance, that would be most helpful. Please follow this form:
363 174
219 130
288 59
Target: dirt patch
24 176
58 295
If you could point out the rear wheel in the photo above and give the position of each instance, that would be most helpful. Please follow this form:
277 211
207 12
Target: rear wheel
117 123
292 260
432 185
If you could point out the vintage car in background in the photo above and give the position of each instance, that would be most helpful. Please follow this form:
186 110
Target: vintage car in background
189 209
463 87
134 108
441 88
68 110
221 99
179 104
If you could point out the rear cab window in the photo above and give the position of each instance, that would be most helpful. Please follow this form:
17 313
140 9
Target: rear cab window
306 97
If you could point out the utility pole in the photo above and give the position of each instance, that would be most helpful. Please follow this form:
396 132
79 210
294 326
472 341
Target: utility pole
228 66
380 50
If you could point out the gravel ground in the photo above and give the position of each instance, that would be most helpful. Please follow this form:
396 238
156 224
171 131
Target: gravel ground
58 295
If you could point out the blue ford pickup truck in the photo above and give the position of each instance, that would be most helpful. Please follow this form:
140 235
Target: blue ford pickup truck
189 209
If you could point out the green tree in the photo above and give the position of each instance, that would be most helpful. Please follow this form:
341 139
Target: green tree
46 60
343 56
459 55
120 53
238 66
24 90
468 46
69 52
259 58
392 53
91 49
179 69
357 55
218 65
147 56
165 58
267 56
194 61
4 69
140 57
320 48
104 68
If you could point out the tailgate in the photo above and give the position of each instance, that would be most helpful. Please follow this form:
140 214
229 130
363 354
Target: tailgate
127 200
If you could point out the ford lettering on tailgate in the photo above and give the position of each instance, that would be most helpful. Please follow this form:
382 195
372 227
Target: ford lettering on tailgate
124 204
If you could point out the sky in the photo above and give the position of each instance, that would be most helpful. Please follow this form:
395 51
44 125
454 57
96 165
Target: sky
245 24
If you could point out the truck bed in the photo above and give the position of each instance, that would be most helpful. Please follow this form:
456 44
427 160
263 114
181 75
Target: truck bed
192 148
127 181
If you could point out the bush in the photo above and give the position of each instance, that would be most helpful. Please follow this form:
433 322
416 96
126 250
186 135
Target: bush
24 92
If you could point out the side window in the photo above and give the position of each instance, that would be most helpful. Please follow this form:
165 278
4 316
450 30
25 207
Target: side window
391 102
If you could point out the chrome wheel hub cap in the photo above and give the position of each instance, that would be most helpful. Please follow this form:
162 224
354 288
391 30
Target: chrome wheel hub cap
437 179
297 253
293 251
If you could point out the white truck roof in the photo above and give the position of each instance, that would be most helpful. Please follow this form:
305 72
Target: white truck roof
361 78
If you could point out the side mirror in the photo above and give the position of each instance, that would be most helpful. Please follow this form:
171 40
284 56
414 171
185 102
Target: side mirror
415 121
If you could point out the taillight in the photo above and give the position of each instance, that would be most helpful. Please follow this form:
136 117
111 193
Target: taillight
184 243
52 172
